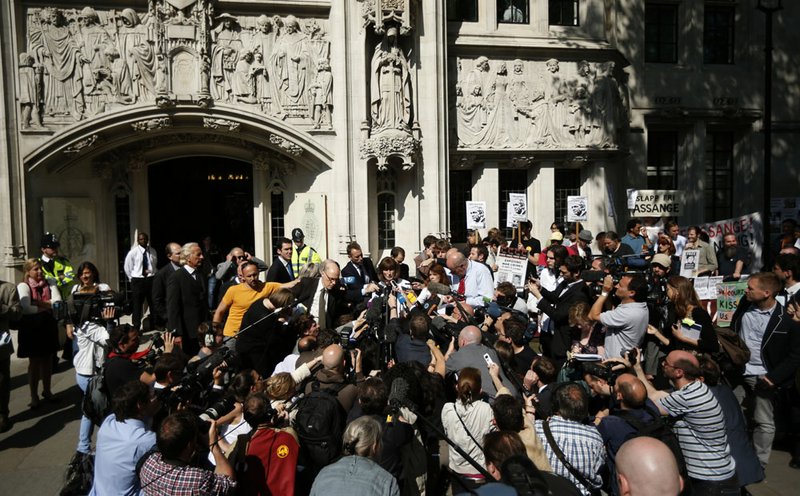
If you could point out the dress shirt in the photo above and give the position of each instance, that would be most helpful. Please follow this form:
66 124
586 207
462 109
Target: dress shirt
133 262
582 446
315 303
478 284
120 445
191 271
754 324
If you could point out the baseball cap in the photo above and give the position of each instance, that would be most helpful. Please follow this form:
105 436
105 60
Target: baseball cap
556 236
49 240
662 260
297 234
586 235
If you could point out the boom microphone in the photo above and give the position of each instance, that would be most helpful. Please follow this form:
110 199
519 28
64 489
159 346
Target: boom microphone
438 288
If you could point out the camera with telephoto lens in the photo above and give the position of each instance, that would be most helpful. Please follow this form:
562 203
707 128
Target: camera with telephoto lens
84 307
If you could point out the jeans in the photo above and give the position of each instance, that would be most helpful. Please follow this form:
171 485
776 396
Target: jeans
212 288
760 404
85 434
698 487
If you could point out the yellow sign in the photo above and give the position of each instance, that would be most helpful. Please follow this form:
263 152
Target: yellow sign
282 451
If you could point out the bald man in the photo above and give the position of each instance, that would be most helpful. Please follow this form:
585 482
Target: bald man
471 279
646 467
634 410
699 425
471 354
333 375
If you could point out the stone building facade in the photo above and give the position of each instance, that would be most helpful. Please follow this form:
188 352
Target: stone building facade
374 120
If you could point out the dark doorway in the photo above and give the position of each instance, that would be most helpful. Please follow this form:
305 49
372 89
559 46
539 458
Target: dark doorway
195 197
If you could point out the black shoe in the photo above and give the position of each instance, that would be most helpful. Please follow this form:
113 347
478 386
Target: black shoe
795 463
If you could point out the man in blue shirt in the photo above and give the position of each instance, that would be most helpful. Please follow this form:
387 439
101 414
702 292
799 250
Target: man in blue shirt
122 440
636 241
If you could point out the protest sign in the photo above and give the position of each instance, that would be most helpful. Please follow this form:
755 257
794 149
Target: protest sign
511 267
747 228
728 296
655 202
510 220
476 215
519 206
689 263
577 208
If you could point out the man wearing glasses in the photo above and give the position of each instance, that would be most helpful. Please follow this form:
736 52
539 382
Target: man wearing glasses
700 424
320 294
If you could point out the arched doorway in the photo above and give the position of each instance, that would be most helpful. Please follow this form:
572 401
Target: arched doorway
195 197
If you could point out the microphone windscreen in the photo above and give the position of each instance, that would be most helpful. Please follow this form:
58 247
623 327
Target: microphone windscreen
390 334
399 391
439 288
375 310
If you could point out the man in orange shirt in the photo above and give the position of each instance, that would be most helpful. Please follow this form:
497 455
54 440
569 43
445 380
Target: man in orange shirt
238 298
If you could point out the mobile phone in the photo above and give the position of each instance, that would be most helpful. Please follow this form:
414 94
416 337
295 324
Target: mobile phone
488 359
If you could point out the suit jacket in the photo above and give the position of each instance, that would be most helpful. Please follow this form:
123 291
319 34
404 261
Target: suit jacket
187 304
780 345
353 294
278 273
160 294
304 293
557 308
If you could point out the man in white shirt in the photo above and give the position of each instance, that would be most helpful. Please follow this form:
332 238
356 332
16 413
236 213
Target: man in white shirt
140 267
673 231
471 279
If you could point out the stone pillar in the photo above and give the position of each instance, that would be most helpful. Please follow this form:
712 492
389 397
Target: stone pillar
542 211
486 179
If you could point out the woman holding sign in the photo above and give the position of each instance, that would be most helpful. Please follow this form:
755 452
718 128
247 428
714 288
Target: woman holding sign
692 329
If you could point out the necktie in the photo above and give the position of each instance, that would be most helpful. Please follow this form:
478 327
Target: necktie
289 268
461 285
322 308
145 263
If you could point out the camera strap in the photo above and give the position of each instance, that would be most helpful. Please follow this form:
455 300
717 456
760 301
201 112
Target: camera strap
563 459
455 410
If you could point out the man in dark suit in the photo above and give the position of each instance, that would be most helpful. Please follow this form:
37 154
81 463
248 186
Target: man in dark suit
281 268
187 305
557 303
359 275
774 342
320 294
173 252
541 381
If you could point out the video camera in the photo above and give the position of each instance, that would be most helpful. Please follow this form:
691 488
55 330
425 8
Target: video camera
194 386
89 306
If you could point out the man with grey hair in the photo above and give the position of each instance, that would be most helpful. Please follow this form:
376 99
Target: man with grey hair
472 280
187 305
320 295
471 353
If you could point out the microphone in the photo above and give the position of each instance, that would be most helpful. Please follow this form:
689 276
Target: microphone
438 288
348 280
390 334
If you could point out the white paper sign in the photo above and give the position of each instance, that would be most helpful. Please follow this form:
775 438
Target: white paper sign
519 205
712 287
631 193
476 215
689 263
511 267
510 220
656 202
577 209
701 287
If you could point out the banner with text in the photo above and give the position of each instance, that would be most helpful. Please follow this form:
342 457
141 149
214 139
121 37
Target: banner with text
655 202
747 228
728 296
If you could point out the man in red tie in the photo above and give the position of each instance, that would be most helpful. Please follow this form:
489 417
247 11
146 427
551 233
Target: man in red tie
471 279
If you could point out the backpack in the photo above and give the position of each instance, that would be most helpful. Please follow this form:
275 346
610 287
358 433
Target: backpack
733 352
320 424
96 401
660 428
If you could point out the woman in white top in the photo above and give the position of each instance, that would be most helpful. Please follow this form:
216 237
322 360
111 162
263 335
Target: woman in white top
38 330
466 421
89 333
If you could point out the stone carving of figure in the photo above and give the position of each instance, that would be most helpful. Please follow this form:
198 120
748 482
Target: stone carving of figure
54 48
322 90
608 106
581 125
501 125
517 85
137 80
556 98
471 109
224 56
243 81
390 86
291 62
94 40
29 93
261 83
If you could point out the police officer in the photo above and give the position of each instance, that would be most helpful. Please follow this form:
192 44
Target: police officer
302 253
58 269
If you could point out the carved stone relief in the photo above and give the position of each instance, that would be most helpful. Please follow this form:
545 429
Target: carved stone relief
152 124
390 131
79 63
537 104
221 124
